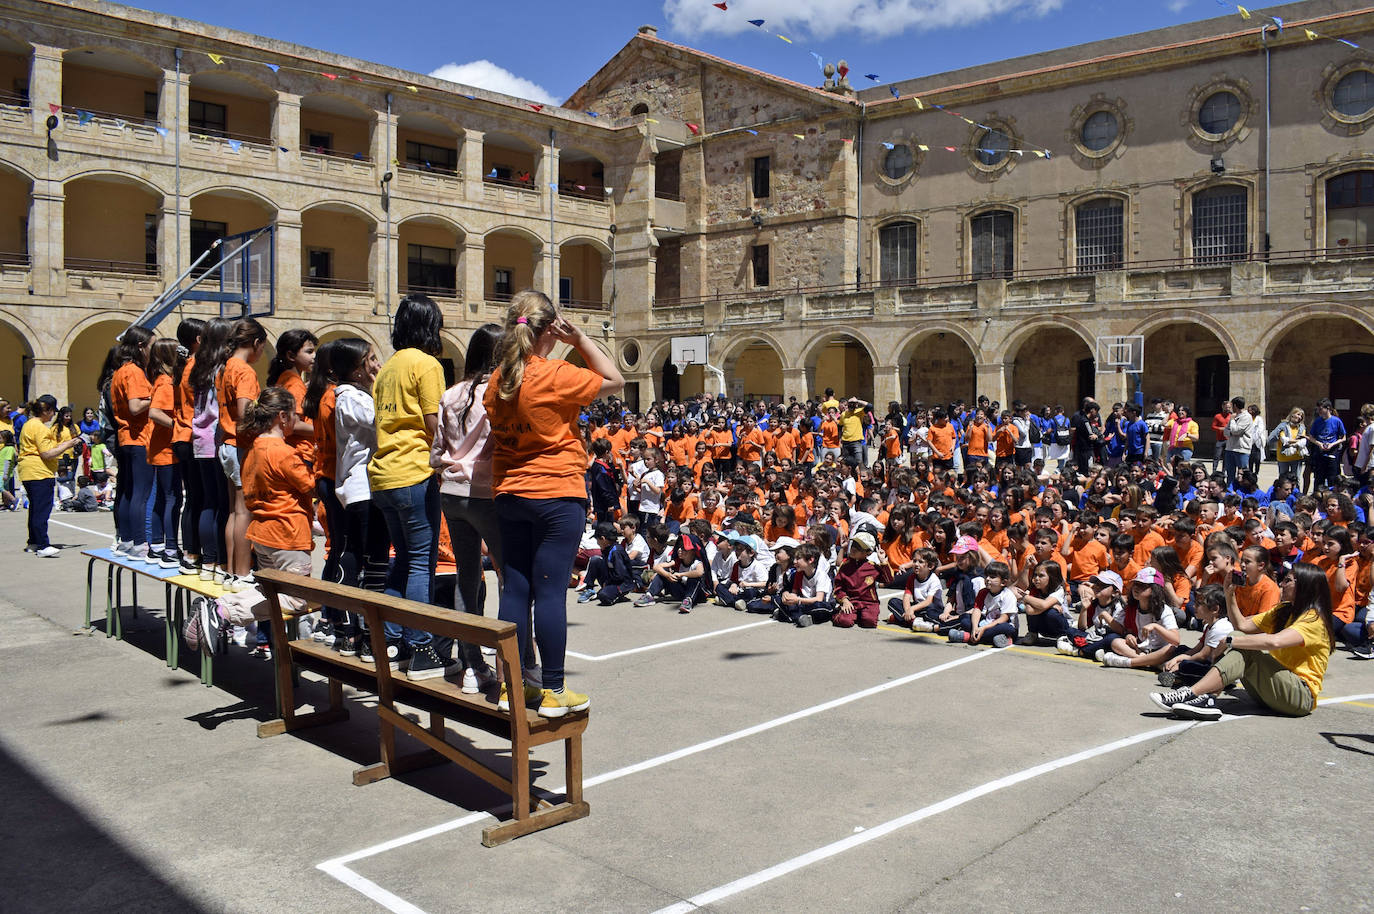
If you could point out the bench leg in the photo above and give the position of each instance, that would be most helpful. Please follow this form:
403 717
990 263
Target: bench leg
572 761
114 625
133 582
167 625
289 720
544 818
90 572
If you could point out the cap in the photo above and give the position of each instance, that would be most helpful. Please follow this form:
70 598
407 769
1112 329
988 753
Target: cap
1148 575
863 540
751 542
1107 577
786 541
967 544
730 535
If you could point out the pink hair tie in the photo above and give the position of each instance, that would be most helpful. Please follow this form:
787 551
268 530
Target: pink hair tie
522 320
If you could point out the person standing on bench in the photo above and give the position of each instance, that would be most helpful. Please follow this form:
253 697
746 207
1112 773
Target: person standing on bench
538 467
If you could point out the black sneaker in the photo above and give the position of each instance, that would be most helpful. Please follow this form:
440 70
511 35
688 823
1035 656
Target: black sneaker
1167 700
345 641
324 632
211 625
1200 707
425 663
397 653
1363 651
169 559
364 642
188 566
1028 640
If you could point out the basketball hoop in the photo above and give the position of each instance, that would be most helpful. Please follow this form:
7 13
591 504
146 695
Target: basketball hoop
1120 354
681 368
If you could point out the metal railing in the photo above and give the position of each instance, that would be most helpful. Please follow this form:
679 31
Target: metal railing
14 259
582 304
200 133
508 182
337 284
76 112
429 169
432 291
96 265
337 154
585 192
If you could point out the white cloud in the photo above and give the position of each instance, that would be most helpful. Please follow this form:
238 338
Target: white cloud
1178 6
824 18
483 74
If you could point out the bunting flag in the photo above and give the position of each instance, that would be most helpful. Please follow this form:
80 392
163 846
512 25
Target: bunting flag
330 76
1244 13
820 61
1311 35
895 93
492 173
235 145
413 90
751 132
651 120
216 59
785 38
800 136
271 66
84 117
283 149
756 23
696 131
888 146
923 147
591 114
536 107
161 131
54 109
720 6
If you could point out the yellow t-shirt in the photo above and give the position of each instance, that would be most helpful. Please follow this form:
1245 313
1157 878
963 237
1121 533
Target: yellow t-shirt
1308 659
830 404
852 425
407 388
34 438
7 425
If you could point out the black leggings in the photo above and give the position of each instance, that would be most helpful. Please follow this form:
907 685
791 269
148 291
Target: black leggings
214 510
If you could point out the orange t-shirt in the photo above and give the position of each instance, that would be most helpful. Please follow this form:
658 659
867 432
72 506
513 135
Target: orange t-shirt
978 437
942 441
1361 582
1190 554
537 452
160 437
1343 603
1087 560
676 449
1127 571
806 447
1261 598
721 443
892 445
325 446
238 381
785 444
685 510
130 383
1006 438
277 489
752 445
1145 545
304 443
830 433
184 405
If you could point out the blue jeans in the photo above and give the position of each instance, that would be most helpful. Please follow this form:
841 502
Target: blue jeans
412 520
164 506
1351 633
132 514
40 509
1235 462
539 539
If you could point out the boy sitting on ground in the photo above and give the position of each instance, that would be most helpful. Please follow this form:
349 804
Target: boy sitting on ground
745 576
610 577
993 617
923 600
807 597
856 585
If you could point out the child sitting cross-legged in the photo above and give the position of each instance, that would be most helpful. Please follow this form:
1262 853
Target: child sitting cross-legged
609 577
1094 631
1046 604
1188 665
992 619
685 576
779 574
1146 623
746 575
856 585
806 599
921 603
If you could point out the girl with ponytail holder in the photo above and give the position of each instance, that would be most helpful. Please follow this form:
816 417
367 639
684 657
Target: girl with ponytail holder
295 359
538 467
236 387
131 395
164 508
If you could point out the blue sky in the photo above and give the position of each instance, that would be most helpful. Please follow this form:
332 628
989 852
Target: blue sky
545 49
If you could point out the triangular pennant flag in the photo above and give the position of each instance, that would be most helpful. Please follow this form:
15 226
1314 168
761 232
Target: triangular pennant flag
330 75
872 76
273 67
920 105
580 186
1278 22
820 61
609 190
1244 13
895 93
951 149
843 71
235 145
283 149
720 6
785 38
696 131
1311 35
923 147
413 89
121 123
471 98
751 132
356 78
84 117
1349 44
1037 153
492 173
651 120
756 23
216 59
889 146
537 107
54 109
845 139
553 187
161 131
799 136
396 161
592 114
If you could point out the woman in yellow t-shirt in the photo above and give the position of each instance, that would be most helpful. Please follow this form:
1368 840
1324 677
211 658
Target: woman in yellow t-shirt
1279 656
405 488
37 469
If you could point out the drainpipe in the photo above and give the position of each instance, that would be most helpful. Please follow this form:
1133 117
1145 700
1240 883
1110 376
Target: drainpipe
387 209
553 202
176 130
859 200
1268 121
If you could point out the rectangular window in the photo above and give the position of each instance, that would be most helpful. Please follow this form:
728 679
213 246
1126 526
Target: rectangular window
565 290
322 143
993 245
20 95
207 118
897 252
500 173
760 258
319 267
431 269
432 158
149 242
1098 235
204 234
502 284
1220 225
1350 211
762 166
150 107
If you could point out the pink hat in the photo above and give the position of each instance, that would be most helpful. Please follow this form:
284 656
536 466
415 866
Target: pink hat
1148 575
964 544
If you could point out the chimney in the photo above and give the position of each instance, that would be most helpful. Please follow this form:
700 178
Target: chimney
649 30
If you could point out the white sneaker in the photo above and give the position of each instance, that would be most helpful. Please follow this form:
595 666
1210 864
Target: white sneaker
1117 661
122 549
48 552
240 636
1065 646
230 584
207 573
475 682
922 625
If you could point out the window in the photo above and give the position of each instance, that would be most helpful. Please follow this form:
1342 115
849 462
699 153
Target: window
1098 235
1219 113
149 241
1354 94
993 147
207 118
565 290
1099 131
20 95
315 141
762 165
897 163
319 264
432 158
639 109
431 269
993 236
150 107
502 284
897 252
1350 210
1220 224
759 254
204 234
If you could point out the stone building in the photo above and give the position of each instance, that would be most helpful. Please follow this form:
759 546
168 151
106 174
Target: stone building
1210 188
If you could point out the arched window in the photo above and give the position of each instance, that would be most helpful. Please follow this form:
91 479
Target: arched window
897 252
1221 224
639 109
1098 235
993 237
1350 210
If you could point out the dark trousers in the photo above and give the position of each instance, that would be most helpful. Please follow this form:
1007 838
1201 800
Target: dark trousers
1049 624
40 492
191 499
164 509
214 510
747 594
334 524
471 521
132 513
1004 628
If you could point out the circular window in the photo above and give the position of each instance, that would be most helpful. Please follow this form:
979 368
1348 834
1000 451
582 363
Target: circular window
897 163
1100 131
1354 94
1219 113
630 353
993 147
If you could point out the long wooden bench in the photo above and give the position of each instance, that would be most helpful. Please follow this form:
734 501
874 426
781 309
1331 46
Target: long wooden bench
442 699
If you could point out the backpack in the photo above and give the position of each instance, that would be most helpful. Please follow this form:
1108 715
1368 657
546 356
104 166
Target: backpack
1034 432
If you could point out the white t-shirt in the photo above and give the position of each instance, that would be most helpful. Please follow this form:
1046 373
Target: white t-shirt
755 574
931 586
638 550
1216 633
816 585
994 605
1154 641
651 502
631 486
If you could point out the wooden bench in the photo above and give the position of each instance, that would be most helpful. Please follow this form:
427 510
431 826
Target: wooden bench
441 698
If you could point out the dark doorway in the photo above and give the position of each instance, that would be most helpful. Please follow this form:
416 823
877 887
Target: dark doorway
1352 381
631 396
1087 382
671 382
1213 385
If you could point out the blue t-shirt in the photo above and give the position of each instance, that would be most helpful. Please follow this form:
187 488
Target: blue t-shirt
1136 433
1327 430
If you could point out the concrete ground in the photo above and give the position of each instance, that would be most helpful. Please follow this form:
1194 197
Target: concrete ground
732 764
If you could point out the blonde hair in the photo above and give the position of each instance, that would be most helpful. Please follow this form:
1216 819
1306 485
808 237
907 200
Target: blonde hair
530 313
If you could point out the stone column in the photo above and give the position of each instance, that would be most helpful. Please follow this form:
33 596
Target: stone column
290 257
49 376
470 164
173 107
286 121
383 274
1247 380
887 386
474 270
648 386
174 239
795 383
991 381
383 139
546 279
1115 387
45 84
47 248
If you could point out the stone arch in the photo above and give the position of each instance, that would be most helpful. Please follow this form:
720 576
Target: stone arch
519 231
105 52
1049 361
937 373
118 177
85 348
1186 316
422 216
18 348
234 190
849 372
1293 318
1187 359
17 169
1322 351
337 205
601 246
753 365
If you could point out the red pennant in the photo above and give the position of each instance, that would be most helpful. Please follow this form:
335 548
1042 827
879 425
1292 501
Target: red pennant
719 6
844 71
355 78
951 149
55 109
330 75
537 107
694 128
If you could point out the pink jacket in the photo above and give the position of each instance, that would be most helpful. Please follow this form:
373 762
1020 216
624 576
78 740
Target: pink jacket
462 452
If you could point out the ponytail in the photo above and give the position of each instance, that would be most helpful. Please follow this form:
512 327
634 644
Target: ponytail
260 415
530 313
288 344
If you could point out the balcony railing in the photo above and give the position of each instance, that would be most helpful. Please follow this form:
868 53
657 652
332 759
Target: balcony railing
432 291
583 192
82 115
337 154
14 259
581 304
508 182
429 168
96 265
336 284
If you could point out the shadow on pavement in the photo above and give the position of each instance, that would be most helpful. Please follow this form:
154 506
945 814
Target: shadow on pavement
1350 742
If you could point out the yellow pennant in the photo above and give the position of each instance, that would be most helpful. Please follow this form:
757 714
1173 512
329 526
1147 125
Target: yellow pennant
1311 35
785 38
216 59
800 136
923 147
650 120
1244 13
919 105
413 89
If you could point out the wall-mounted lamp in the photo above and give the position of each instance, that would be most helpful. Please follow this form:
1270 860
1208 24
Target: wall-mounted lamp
385 185
52 122
757 219
1218 165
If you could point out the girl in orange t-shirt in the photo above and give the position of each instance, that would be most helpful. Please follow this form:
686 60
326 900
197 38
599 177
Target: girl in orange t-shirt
293 362
164 513
318 408
538 468
189 333
130 397
236 387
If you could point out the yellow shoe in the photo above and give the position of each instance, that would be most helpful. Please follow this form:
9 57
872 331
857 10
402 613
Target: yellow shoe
556 704
532 694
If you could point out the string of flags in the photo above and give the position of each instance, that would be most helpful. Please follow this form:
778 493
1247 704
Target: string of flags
1279 24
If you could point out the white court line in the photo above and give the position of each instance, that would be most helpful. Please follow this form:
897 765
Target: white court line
654 647
959 799
338 866
108 534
